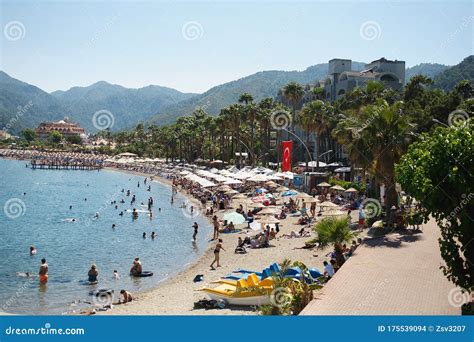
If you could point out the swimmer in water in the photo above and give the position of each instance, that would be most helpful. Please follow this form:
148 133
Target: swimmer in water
144 235
93 274
116 275
32 250
96 216
159 210
134 214
153 235
113 226
121 213
70 207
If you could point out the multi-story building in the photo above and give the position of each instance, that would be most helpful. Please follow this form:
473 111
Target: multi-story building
66 127
342 79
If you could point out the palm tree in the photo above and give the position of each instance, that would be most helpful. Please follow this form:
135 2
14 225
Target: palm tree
313 119
250 112
334 231
380 133
293 92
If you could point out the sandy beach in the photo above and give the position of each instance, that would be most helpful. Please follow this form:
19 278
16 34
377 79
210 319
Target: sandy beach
176 295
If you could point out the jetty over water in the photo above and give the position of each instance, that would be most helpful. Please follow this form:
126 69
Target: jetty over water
65 164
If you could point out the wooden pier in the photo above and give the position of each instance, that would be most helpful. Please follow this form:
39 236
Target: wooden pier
64 165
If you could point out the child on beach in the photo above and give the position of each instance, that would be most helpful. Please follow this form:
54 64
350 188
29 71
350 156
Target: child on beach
127 296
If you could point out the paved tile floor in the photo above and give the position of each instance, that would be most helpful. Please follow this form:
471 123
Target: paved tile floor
395 275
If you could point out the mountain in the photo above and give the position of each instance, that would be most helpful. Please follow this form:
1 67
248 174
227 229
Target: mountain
452 76
128 106
260 85
24 105
426 69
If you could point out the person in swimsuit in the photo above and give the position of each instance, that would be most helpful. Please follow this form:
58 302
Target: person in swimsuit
216 254
127 296
32 250
196 227
136 269
43 272
93 273
215 221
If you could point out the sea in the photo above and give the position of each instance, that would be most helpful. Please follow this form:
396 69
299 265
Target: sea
55 211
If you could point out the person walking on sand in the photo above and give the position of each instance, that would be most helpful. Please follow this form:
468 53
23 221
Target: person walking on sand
196 227
217 250
43 272
215 221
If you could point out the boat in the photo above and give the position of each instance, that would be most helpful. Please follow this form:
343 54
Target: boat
242 292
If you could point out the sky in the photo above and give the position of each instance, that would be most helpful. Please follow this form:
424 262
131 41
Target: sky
193 46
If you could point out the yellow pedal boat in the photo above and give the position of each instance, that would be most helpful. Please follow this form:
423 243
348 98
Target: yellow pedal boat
242 292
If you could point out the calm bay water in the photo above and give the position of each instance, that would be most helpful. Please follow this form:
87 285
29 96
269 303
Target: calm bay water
71 247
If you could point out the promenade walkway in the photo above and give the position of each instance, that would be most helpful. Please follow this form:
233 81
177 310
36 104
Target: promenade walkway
394 275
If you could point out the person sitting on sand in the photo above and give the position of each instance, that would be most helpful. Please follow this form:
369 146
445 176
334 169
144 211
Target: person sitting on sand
43 272
136 269
32 250
93 273
328 269
240 249
127 296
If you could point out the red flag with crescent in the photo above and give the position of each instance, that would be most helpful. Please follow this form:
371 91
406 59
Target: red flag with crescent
286 156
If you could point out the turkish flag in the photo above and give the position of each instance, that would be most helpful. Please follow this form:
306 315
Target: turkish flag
286 156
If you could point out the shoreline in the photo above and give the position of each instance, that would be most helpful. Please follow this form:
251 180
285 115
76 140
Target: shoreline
176 294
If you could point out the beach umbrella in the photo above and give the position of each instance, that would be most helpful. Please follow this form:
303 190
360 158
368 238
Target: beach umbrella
289 193
351 190
267 211
338 187
328 204
281 189
234 217
259 199
258 178
231 192
303 195
231 181
324 184
271 184
240 196
273 177
333 213
255 205
269 220
289 175
224 188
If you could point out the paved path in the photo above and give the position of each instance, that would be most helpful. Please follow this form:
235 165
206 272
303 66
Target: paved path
398 275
